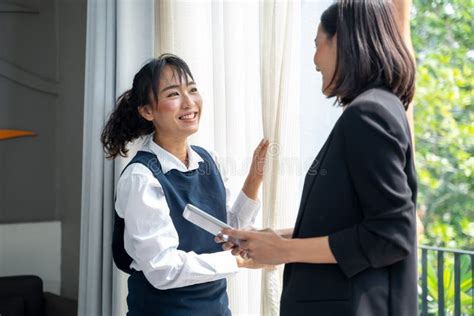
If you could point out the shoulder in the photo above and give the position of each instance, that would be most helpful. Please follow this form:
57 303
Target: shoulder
377 108
137 169
380 102
138 174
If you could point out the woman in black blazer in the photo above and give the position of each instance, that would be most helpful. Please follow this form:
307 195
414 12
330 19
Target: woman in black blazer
353 247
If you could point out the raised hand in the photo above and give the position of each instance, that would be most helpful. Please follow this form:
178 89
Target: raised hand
255 175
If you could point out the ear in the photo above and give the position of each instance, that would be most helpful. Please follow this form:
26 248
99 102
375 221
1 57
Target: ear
146 112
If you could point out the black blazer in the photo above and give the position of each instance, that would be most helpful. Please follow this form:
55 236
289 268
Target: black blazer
361 192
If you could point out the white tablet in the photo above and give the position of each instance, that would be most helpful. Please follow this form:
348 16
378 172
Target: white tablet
206 221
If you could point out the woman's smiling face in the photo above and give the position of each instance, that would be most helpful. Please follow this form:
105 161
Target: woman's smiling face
177 111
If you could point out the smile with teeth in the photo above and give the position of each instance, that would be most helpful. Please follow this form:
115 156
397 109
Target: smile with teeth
189 116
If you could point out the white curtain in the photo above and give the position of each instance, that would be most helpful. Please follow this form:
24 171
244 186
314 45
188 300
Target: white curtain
280 57
245 58
220 43
119 40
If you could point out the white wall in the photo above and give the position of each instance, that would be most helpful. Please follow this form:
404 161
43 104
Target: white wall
32 249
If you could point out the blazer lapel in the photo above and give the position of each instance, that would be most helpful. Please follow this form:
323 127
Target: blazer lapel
309 181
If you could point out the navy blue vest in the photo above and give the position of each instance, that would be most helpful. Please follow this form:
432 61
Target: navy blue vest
204 188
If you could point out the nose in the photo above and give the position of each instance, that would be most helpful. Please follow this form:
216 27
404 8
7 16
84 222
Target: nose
315 64
188 101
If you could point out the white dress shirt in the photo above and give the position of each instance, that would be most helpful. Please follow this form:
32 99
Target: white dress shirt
150 237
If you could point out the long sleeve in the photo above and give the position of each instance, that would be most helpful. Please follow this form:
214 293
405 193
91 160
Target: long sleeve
151 239
375 153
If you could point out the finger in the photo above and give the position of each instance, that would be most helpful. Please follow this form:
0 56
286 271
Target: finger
264 150
236 251
250 229
241 251
237 233
263 143
260 156
228 245
219 239
244 244
257 149
261 148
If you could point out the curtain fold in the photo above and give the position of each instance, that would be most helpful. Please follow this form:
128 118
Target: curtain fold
244 56
95 272
280 57
220 42
119 41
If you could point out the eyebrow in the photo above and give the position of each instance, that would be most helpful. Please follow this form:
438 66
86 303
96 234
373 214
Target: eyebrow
190 83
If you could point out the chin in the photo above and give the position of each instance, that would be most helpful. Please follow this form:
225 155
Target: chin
192 130
324 91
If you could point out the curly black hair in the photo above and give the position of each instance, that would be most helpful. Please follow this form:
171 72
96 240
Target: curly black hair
125 123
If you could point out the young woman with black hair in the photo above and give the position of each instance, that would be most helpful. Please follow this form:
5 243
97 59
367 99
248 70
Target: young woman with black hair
352 250
175 267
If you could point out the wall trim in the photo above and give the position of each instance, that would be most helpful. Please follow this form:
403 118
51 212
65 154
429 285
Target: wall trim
15 7
27 78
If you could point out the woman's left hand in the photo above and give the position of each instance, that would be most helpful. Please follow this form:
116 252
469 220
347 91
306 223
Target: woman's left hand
255 176
263 247
258 160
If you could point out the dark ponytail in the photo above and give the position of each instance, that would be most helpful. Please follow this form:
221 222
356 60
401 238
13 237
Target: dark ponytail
125 123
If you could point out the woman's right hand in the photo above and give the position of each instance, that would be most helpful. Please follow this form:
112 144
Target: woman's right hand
240 254
229 244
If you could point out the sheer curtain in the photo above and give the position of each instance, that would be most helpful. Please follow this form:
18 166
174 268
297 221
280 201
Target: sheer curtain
280 108
244 56
119 40
219 42
95 271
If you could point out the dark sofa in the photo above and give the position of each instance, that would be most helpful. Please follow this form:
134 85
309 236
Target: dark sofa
23 296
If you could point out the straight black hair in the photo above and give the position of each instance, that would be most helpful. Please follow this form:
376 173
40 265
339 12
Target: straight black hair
125 123
370 50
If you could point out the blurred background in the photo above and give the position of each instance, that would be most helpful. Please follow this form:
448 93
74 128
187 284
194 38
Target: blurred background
63 63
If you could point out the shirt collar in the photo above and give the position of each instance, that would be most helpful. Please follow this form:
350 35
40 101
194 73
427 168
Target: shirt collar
168 161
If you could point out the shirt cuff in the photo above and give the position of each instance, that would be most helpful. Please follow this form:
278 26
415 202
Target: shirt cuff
223 262
245 210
